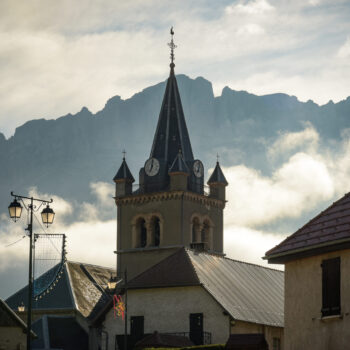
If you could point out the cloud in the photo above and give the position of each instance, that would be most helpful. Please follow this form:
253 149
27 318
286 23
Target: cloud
250 7
344 50
249 245
59 56
297 186
307 140
306 177
89 238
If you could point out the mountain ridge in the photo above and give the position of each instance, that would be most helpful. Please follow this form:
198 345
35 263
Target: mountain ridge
74 150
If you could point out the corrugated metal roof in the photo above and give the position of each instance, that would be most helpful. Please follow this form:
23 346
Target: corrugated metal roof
329 226
246 291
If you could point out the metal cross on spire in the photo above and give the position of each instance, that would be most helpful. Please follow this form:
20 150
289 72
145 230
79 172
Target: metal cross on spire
172 48
124 153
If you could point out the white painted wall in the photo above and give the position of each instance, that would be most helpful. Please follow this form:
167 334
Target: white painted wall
168 310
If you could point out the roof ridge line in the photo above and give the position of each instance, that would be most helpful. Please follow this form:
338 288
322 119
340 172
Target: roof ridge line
239 261
70 282
308 223
79 262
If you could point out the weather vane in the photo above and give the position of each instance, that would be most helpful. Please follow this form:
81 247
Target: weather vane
172 48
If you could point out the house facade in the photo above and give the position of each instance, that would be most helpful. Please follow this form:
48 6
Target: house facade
317 287
202 296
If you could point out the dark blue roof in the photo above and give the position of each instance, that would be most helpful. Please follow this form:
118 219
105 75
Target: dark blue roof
179 165
124 173
217 176
171 133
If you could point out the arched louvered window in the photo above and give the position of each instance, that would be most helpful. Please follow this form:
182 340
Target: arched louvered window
195 230
142 232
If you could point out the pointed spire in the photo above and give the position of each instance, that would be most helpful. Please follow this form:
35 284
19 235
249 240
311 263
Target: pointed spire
124 173
179 165
171 133
217 177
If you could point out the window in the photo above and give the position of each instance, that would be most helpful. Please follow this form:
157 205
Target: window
206 234
276 344
195 230
156 231
142 233
330 287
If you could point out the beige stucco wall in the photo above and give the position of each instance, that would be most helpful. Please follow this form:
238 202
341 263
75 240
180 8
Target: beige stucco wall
12 338
241 327
168 310
304 328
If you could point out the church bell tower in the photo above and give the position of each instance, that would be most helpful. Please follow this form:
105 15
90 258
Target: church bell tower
170 208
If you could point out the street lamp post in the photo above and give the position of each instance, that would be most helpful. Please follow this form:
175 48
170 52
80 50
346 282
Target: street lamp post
47 215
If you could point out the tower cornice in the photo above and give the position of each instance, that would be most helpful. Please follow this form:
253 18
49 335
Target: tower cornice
170 195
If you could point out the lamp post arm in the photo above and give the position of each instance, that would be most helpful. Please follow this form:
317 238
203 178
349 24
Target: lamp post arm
31 198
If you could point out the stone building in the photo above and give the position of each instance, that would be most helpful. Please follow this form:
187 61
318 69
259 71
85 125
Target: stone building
317 287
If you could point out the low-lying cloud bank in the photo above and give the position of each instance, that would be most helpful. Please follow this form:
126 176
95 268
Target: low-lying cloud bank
306 177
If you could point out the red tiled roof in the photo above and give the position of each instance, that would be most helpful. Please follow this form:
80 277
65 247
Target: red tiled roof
329 227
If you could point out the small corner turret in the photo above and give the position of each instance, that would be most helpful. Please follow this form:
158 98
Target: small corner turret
123 180
217 183
178 173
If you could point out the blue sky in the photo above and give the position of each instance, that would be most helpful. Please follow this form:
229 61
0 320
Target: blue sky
56 57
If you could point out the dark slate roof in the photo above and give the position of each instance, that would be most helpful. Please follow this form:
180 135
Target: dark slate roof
81 287
179 165
175 270
246 291
171 133
8 318
217 176
246 342
327 229
158 340
124 173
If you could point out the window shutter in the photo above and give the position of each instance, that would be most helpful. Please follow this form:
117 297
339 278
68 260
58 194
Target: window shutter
331 287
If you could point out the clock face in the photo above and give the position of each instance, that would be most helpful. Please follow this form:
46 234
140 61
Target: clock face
198 168
152 167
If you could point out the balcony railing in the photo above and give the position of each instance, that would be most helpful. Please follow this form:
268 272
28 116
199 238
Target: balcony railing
203 338
198 338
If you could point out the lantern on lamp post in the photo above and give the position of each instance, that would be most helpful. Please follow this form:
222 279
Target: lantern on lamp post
47 215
